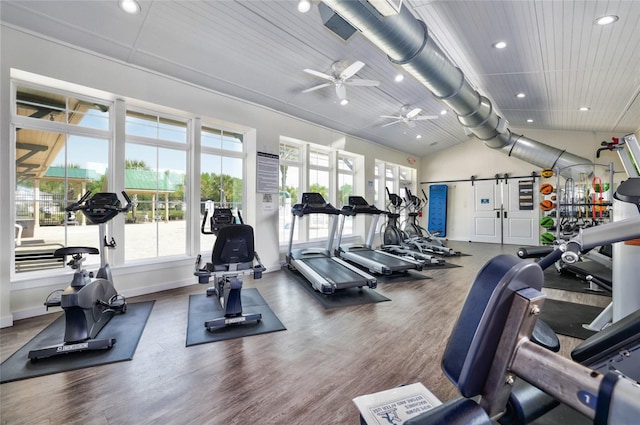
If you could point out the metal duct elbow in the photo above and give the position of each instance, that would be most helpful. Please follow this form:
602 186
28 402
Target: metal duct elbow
405 40
545 156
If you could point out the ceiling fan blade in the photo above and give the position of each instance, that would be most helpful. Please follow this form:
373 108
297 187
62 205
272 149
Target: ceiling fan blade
320 86
425 117
319 74
394 117
414 112
351 70
341 91
390 123
361 82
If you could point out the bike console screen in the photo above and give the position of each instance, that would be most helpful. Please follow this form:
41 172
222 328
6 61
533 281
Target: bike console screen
102 207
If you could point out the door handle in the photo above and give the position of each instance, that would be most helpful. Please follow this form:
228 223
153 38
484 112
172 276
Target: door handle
505 214
497 214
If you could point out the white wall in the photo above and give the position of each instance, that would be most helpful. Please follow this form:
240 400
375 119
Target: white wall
30 53
474 158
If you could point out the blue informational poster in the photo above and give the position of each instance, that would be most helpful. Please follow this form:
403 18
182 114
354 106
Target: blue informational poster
438 210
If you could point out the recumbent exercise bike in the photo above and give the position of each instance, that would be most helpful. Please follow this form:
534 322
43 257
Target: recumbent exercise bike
233 255
88 302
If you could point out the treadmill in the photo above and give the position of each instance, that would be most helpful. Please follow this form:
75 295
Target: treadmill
326 273
377 261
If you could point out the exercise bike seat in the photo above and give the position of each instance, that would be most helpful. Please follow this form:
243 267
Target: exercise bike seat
70 250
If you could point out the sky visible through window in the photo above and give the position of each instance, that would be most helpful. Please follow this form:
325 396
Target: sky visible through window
87 159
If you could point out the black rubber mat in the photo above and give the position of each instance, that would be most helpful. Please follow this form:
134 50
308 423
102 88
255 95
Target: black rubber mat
126 328
409 276
567 318
341 298
203 308
446 265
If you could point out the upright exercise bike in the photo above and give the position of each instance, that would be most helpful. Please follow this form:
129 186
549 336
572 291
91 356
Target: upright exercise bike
89 302
233 255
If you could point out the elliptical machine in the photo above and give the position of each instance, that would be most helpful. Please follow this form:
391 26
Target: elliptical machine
418 235
396 240
233 255
88 302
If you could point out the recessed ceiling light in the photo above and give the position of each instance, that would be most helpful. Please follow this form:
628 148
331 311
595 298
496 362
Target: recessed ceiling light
520 95
443 112
529 120
606 20
344 102
499 45
129 6
419 136
304 6
584 108
399 78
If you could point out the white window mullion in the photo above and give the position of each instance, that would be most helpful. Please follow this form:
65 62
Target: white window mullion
116 180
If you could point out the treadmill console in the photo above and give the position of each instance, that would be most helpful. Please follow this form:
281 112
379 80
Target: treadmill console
313 199
313 203
357 204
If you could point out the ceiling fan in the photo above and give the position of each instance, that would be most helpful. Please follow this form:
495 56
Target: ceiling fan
340 77
408 116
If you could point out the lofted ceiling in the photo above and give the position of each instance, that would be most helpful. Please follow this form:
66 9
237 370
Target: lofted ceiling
257 50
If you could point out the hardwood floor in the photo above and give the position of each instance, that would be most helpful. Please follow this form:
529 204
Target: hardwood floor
307 374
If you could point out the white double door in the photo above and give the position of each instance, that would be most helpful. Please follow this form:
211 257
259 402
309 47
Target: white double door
497 214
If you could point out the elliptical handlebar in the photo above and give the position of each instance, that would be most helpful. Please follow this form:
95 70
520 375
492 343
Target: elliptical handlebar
426 198
413 200
394 199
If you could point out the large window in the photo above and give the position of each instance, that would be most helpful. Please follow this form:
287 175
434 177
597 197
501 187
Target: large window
319 174
346 181
290 188
221 174
67 144
305 167
155 178
62 151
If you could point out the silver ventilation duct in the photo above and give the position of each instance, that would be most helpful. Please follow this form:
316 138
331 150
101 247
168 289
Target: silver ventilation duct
406 42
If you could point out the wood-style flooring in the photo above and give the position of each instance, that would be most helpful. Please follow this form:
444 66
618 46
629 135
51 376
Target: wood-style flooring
307 374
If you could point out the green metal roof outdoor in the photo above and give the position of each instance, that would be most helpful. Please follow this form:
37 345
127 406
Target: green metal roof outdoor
135 179
72 173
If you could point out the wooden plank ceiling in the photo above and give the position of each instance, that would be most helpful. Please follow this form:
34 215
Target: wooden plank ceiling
256 50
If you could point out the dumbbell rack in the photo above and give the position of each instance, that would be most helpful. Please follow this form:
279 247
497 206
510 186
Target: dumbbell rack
580 200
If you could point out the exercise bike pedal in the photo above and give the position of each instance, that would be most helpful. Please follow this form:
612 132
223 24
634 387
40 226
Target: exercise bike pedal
212 291
118 304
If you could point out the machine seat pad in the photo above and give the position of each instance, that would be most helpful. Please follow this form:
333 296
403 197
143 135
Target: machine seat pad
68 250
607 340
